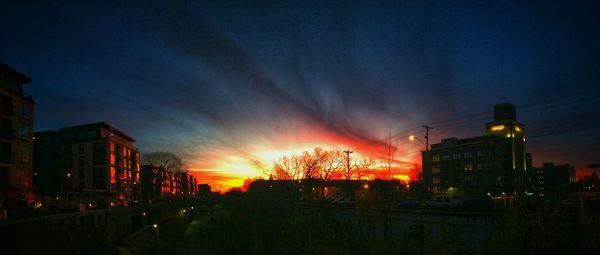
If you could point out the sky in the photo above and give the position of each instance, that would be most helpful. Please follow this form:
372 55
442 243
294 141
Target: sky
232 85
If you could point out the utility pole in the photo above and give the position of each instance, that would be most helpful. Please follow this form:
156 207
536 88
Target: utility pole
426 161
348 163
427 128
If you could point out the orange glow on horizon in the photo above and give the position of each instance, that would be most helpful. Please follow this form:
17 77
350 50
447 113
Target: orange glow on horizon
226 168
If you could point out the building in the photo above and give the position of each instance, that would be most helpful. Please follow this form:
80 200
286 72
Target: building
553 182
16 145
495 163
204 191
151 184
157 183
87 164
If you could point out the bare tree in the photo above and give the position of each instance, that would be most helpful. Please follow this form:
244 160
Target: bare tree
332 164
360 167
165 160
312 162
288 168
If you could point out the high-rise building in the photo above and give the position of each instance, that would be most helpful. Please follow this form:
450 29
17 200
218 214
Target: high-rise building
90 164
16 146
495 163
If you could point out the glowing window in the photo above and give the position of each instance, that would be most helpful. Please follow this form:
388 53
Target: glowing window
518 129
497 128
113 175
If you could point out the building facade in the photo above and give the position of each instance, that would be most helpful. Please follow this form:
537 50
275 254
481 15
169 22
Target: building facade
494 164
90 164
553 182
157 183
16 144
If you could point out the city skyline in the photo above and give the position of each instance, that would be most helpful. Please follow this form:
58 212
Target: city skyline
212 83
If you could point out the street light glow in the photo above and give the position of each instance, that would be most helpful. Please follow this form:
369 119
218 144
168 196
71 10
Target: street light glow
155 225
411 137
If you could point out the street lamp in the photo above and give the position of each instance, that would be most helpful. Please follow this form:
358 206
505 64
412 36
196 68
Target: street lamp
155 226
426 154
414 138
68 188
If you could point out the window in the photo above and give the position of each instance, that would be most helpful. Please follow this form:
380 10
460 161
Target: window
23 154
99 174
23 131
81 148
456 156
497 128
4 152
435 158
99 153
468 155
446 157
468 167
479 166
479 153
25 111
436 170
113 175
91 135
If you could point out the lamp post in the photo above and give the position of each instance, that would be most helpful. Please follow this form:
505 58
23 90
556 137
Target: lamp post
426 155
68 189
155 227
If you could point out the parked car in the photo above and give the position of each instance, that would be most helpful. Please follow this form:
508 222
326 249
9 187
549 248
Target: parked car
478 202
410 203
444 202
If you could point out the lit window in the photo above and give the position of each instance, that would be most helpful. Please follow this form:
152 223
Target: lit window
518 129
113 175
497 128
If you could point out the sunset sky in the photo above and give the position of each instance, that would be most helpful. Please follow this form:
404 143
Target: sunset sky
232 85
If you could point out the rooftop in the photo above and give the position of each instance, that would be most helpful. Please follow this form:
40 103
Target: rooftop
6 69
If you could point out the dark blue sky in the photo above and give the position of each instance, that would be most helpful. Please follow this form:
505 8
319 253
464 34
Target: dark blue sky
232 80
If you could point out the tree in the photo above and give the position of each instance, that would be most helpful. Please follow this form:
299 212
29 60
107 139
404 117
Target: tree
287 168
165 160
360 167
332 164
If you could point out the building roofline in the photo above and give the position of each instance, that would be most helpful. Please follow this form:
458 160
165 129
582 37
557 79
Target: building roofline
94 124
22 77
468 141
